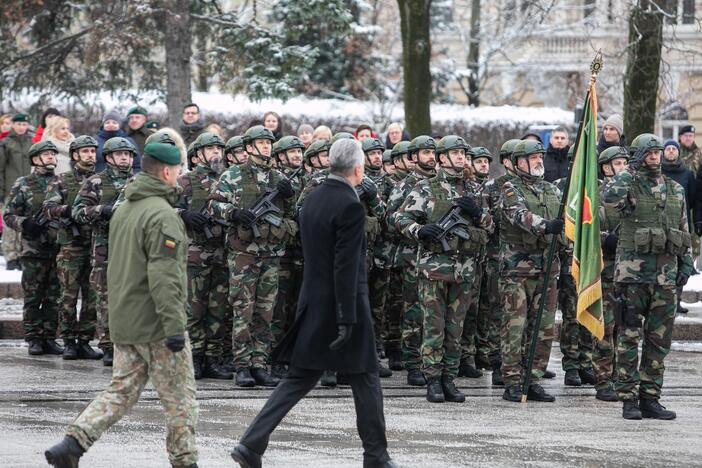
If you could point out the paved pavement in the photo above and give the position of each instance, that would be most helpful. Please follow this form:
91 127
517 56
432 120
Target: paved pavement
40 396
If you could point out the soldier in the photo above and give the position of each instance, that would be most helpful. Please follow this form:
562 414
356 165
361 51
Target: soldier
148 291
388 166
255 248
445 277
208 274
527 226
73 260
316 161
94 206
234 151
38 257
611 161
653 258
419 158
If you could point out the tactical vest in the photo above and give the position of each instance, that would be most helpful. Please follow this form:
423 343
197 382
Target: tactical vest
38 193
652 227
108 189
65 235
611 223
200 193
442 205
545 205
250 192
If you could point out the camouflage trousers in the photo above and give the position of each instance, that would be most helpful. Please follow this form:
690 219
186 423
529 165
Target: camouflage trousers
41 298
253 287
412 321
171 375
444 305
289 283
575 340
208 305
98 283
469 336
11 243
649 314
73 268
489 312
603 356
386 306
518 324
378 283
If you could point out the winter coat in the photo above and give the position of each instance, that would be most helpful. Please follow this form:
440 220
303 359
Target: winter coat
102 136
63 158
405 137
685 177
139 138
603 145
190 132
146 270
14 162
38 134
555 163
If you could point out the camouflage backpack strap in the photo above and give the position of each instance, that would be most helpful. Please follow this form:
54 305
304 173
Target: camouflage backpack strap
109 192
199 192
38 193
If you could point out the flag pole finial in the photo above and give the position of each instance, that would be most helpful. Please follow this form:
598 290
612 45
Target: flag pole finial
596 66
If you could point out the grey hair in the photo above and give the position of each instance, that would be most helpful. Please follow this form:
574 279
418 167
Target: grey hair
394 125
344 155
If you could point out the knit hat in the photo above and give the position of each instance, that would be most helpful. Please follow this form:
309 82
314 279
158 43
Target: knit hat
168 154
305 128
616 121
673 143
20 117
111 115
686 129
137 110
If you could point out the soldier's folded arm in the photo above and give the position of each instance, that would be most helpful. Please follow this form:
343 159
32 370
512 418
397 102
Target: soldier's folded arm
222 202
53 206
410 217
14 210
515 210
85 207
616 192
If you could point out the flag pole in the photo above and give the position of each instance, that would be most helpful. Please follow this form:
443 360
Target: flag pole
595 68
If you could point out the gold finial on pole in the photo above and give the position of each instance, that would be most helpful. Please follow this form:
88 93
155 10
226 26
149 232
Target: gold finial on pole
596 66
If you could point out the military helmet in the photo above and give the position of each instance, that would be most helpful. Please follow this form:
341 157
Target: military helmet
340 136
289 142
234 142
258 132
315 148
191 150
508 148
387 156
452 142
646 141
370 144
83 141
481 152
613 152
399 149
40 146
161 136
208 139
421 142
275 148
118 144
525 148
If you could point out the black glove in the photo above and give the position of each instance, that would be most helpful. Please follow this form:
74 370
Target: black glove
370 190
637 160
610 243
429 232
698 228
343 336
106 212
175 343
243 216
554 226
469 207
681 279
67 212
31 230
194 220
285 188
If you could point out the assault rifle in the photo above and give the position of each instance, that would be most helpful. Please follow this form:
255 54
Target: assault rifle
265 209
211 221
452 224
69 224
46 224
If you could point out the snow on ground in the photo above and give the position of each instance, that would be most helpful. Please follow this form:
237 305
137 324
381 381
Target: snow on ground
694 283
688 346
14 276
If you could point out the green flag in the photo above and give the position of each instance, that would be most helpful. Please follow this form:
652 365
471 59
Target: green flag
582 224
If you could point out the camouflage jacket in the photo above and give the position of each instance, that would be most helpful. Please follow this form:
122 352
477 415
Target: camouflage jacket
311 182
240 187
654 240
26 198
526 206
382 180
691 157
90 200
610 222
375 216
60 194
386 247
492 189
195 188
428 201
299 181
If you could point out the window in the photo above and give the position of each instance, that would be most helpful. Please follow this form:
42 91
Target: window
589 7
678 11
688 12
441 14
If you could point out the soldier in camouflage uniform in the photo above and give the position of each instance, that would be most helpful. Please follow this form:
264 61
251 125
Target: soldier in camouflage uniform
39 248
208 273
93 206
445 277
73 260
255 248
527 227
234 151
317 165
611 161
417 158
653 258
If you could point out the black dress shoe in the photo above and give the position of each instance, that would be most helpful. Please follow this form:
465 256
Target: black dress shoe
212 370
537 393
416 378
435 393
108 357
52 347
246 458
630 410
70 350
549 374
512 393
587 376
572 379
328 379
85 351
36 347
279 371
451 393
651 408
65 454
383 372
244 378
263 378
606 394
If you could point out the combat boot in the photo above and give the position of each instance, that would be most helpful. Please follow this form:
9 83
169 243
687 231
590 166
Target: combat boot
435 394
244 378
549 374
383 372
482 362
630 409
537 393
512 393
572 379
468 369
263 378
328 379
52 347
651 408
497 380
108 357
35 347
416 378
587 376
70 350
279 371
65 454
394 360
212 370
13 265
451 393
85 351
197 365
606 394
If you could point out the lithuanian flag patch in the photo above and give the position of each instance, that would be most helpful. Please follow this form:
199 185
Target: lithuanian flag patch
169 244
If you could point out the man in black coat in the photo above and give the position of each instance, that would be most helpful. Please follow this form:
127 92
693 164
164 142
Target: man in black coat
333 329
556 158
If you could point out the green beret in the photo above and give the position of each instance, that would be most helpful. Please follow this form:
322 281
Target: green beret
164 152
137 110
20 117
153 124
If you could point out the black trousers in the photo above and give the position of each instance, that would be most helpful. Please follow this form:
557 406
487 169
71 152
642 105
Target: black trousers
367 397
